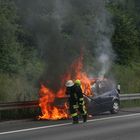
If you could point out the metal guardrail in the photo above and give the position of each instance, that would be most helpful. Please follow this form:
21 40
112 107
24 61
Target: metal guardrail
134 96
35 104
19 105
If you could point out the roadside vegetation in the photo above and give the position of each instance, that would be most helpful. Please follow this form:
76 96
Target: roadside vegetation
129 104
126 44
21 62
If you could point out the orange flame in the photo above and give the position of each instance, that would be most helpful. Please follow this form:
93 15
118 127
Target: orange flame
82 76
46 103
50 111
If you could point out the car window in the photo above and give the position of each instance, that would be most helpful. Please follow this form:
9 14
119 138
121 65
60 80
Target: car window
101 87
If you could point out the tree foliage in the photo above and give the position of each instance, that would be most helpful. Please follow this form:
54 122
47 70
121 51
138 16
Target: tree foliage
10 50
20 65
126 35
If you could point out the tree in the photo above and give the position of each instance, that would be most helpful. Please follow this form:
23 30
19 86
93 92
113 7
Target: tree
126 36
10 50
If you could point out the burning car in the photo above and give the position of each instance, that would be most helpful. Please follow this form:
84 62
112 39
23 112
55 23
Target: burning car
105 98
100 95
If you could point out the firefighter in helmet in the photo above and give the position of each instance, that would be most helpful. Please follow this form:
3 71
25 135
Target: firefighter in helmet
76 100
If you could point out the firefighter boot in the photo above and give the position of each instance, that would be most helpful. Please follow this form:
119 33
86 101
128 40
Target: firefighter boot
84 118
75 120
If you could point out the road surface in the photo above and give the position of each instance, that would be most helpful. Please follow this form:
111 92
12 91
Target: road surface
124 126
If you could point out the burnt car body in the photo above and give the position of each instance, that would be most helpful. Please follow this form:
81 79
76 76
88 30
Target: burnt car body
105 98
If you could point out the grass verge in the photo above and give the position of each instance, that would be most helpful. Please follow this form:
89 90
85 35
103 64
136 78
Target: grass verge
130 103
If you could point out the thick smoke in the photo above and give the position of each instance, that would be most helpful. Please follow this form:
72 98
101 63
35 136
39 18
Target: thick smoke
63 29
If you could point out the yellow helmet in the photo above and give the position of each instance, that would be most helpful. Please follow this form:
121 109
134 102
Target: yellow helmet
78 82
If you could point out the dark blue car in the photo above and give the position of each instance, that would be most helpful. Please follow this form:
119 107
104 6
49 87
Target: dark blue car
105 98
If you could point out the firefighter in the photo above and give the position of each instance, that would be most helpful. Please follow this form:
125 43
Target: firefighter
76 100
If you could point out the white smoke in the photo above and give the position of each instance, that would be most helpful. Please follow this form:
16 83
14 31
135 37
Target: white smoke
105 64
103 31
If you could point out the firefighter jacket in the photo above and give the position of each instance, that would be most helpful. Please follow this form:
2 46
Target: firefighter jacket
75 94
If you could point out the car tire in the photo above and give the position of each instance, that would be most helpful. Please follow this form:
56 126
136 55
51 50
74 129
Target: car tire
115 107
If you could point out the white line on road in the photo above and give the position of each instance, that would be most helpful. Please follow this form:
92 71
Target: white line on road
65 124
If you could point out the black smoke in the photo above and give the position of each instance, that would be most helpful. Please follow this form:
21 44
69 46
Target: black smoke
62 29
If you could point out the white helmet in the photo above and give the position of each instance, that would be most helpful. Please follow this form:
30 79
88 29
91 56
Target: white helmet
69 83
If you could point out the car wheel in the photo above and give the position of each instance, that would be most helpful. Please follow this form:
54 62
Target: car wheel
115 107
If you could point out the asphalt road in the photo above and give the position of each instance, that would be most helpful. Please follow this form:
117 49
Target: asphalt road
124 126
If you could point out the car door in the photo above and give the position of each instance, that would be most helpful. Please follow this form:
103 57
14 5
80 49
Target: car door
93 105
105 101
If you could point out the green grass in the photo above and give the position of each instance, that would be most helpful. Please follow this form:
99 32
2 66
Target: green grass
17 88
130 103
128 77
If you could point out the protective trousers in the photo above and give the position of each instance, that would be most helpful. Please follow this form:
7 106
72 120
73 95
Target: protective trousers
78 107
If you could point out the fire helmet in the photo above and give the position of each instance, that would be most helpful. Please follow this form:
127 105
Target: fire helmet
78 82
69 83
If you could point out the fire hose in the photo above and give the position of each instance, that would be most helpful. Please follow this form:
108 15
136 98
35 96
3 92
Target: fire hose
89 98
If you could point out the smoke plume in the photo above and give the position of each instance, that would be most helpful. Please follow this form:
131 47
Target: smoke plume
65 28
104 52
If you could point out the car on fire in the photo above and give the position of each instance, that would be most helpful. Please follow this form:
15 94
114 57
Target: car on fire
105 98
